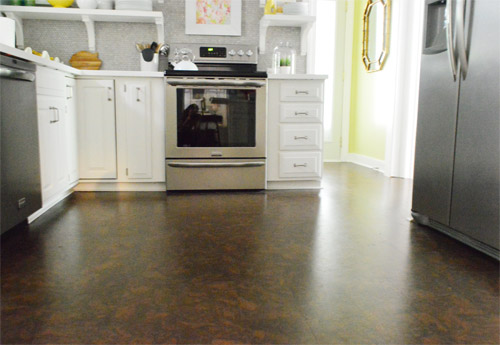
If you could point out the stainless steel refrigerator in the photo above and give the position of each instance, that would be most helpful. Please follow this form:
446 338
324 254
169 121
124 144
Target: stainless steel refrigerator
457 166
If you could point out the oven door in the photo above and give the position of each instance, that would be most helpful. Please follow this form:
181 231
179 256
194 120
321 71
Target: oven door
215 118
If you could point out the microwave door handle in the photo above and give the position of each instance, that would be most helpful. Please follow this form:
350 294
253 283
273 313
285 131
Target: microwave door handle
202 82
450 39
461 41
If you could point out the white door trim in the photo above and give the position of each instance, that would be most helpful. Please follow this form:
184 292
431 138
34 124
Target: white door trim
348 55
401 128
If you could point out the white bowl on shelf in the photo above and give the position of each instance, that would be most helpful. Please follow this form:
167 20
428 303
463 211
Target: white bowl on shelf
105 4
296 8
87 4
134 5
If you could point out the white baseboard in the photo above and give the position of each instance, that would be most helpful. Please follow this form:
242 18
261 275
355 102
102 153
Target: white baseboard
365 161
293 185
331 161
49 205
121 187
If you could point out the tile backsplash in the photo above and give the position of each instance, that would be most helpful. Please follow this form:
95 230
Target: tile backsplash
115 42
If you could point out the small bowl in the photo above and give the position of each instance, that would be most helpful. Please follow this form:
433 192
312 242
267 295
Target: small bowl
60 3
87 4
105 4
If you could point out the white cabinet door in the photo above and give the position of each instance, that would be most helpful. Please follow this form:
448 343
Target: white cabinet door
71 130
52 140
134 120
96 127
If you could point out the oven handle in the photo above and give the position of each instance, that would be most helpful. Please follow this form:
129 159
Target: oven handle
204 82
216 165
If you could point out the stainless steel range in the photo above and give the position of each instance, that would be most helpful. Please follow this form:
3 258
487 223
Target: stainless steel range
216 121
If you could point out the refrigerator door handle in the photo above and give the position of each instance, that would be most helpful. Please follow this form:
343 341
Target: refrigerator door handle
461 41
450 39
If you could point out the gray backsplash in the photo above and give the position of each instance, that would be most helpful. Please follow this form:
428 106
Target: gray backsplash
115 42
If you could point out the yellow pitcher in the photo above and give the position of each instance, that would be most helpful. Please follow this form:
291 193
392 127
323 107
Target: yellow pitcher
270 7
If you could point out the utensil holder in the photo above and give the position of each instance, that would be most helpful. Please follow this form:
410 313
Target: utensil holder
151 66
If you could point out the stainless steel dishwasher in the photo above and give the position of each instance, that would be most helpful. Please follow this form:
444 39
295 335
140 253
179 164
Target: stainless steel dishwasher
20 157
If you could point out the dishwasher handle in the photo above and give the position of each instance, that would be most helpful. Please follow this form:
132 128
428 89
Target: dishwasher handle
11 73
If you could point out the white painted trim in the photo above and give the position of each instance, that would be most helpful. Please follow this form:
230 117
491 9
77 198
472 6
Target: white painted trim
365 161
49 205
401 128
332 161
311 40
348 55
120 187
275 185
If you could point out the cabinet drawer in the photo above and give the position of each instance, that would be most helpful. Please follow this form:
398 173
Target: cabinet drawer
300 137
303 91
50 82
300 164
301 112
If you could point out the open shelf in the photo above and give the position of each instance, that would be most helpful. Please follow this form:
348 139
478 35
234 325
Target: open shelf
18 13
304 22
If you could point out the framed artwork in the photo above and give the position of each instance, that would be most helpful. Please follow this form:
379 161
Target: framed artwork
213 17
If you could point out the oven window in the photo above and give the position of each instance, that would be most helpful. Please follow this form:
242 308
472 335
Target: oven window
215 117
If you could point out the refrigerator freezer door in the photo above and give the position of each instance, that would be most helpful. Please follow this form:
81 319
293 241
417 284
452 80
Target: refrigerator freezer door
475 199
435 142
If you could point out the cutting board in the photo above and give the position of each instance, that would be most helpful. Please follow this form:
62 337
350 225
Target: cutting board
85 60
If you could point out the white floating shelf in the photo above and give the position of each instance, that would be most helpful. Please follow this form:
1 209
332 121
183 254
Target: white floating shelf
304 22
18 13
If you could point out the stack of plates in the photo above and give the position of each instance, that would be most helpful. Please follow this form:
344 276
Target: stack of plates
134 5
296 8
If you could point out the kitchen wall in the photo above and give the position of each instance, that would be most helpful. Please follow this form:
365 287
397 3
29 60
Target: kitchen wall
372 96
115 42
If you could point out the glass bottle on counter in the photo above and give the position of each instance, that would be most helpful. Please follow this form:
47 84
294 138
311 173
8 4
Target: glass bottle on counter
284 59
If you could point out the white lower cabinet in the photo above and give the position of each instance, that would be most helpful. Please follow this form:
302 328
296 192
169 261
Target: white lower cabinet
121 140
52 140
96 128
134 121
57 135
295 133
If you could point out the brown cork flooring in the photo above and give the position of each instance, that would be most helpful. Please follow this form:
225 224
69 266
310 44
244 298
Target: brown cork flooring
338 266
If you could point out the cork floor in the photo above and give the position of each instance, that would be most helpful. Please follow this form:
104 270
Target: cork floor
338 266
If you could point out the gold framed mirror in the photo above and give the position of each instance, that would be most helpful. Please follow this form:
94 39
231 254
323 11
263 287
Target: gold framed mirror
376 34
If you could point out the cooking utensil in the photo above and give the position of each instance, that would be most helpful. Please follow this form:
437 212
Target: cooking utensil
164 49
148 54
154 45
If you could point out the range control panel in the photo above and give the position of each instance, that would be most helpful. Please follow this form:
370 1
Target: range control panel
227 53
213 52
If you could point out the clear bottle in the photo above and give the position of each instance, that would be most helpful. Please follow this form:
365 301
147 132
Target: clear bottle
284 59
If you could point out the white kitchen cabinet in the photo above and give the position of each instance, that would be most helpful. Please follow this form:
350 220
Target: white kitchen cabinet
97 129
52 141
134 122
71 130
139 143
53 135
295 133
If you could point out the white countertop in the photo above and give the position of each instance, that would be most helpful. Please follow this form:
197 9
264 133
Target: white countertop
68 69
297 76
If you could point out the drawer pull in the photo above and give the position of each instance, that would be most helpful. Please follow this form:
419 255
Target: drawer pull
300 165
298 92
297 113
304 137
